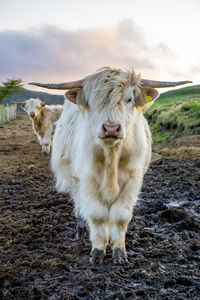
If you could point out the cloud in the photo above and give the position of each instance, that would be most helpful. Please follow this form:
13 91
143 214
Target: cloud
195 69
51 53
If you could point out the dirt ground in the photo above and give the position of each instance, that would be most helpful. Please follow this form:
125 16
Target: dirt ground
183 148
40 257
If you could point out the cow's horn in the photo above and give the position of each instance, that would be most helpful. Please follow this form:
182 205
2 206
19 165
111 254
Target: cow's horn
60 86
161 84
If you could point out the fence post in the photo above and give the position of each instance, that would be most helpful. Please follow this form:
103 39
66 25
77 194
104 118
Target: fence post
3 113
0 113
8 112
11 110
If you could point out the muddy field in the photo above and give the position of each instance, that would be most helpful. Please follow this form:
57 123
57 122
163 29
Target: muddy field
40 257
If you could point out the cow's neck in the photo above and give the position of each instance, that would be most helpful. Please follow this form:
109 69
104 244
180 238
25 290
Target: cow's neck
110 187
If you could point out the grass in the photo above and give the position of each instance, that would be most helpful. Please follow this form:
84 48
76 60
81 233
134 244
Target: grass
181 119
178 95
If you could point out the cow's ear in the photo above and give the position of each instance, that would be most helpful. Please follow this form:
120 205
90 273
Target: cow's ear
149 97
151 94
23 104
146 97
77 96
71 95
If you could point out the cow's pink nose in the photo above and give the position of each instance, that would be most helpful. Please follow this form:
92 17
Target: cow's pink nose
32 114
111 130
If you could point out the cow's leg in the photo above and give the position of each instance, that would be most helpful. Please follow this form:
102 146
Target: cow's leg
80 227
40 140
81 223
99 236
95 212
45 149
120 216
118 228
46 141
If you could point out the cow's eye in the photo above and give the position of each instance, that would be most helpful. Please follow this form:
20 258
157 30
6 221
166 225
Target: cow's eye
130 101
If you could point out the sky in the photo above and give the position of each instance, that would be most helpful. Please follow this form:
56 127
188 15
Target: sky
63 40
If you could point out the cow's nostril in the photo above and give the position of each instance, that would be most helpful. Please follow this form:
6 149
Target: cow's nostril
118 128
104 128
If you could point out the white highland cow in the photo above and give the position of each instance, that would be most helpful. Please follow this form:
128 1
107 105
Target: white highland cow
101 151
43 119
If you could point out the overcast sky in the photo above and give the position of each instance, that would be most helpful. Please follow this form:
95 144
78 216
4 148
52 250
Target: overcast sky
56 41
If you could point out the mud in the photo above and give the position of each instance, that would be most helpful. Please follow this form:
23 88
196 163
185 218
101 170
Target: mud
40 257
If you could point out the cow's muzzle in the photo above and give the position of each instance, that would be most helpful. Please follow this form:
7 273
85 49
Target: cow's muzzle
111 130
32 115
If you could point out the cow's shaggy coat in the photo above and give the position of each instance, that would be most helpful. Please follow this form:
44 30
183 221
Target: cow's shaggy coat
104 174
43 119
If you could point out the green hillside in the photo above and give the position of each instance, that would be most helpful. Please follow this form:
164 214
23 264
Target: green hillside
175 114
191 92
22 96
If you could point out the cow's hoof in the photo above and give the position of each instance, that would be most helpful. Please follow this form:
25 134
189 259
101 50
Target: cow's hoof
97 257
44 153
119 256
81 228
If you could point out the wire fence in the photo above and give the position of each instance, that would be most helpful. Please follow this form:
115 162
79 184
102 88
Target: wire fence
8 112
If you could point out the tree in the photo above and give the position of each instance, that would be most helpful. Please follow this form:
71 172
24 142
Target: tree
10 86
